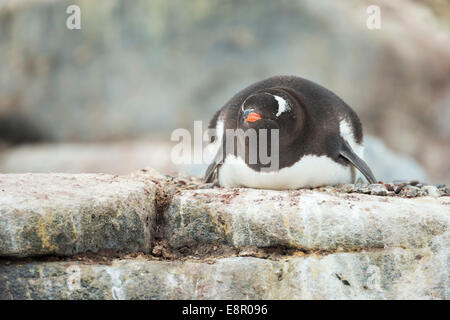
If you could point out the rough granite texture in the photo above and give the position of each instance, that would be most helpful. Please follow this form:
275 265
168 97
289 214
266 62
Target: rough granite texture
382 274
306 219
149 236
65 214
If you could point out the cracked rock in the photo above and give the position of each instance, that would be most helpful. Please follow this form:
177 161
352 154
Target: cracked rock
65 214
303 219
384 274
186 240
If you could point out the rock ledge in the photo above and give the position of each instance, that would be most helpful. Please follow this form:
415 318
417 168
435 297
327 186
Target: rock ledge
148 236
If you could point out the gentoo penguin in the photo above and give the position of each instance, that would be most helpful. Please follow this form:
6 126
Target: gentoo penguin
319 138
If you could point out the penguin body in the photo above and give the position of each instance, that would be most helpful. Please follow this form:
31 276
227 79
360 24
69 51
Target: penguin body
320 140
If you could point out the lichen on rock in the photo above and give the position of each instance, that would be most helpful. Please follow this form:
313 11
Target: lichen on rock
63 214
152 236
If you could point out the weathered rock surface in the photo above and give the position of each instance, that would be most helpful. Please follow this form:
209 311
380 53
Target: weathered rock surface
64 214
383 274
149 236
305 219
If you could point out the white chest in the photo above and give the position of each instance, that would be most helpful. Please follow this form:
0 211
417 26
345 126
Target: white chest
310 171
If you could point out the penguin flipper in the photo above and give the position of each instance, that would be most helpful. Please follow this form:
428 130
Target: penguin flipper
347 153
215 165
210 171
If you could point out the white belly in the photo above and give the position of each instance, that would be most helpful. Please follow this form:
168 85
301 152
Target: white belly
311 171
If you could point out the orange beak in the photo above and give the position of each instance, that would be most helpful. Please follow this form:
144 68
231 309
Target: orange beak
252 117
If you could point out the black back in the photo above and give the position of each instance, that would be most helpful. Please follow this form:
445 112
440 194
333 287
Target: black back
321 110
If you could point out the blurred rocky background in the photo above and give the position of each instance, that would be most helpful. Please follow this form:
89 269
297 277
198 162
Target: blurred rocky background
107 97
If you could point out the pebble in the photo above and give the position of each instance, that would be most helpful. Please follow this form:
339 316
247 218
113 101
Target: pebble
362 189
409 192
431 191
397 188
445 191
378 189
348 188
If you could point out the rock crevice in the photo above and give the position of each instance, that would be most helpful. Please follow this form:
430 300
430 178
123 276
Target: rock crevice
200 241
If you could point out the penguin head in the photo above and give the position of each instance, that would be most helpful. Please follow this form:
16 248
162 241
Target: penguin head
270 109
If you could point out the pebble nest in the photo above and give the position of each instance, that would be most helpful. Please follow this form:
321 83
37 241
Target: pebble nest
407 189
404 189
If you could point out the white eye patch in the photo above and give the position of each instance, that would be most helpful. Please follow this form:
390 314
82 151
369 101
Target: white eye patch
283 106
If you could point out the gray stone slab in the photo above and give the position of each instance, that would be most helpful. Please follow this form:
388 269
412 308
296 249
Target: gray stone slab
65 214
379 274
305 219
